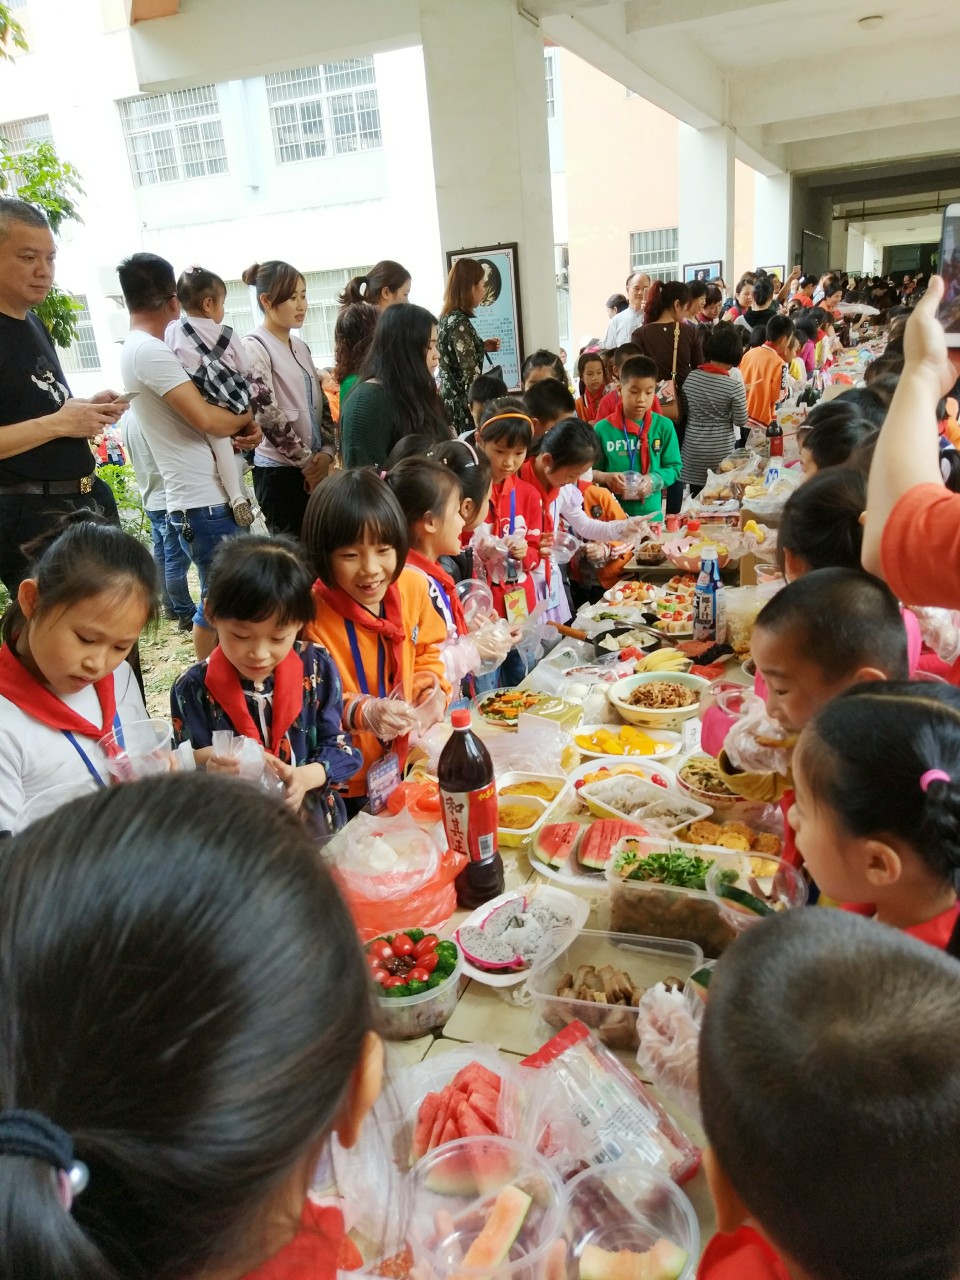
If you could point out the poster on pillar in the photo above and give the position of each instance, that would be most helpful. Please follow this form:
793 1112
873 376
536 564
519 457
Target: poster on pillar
498 315
702 271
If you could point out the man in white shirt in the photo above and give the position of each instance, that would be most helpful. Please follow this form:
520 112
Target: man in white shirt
174 418
621 327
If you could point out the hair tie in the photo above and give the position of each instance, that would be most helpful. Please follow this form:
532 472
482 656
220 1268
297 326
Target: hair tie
33 1136
932 775
383 475
189 271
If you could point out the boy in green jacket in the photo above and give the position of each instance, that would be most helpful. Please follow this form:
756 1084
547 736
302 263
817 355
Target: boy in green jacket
634 438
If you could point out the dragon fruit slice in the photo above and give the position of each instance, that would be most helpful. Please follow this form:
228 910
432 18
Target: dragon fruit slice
486 952
501 918
546 917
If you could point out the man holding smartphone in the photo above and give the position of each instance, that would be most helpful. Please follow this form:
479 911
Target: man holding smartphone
46 464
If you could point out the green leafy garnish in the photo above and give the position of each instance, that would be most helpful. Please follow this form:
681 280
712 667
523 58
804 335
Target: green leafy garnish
415 935
681 870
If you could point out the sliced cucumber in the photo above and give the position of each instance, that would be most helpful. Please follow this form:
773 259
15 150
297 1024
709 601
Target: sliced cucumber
740 900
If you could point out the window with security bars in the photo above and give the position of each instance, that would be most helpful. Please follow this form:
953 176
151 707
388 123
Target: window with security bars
173 136
656 252
82 355
550 75
324 110
19 136
322 308
238 308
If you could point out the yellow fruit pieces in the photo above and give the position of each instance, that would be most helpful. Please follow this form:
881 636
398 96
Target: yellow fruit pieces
624 741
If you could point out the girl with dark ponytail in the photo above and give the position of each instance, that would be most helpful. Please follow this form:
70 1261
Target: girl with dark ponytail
384 286
877 812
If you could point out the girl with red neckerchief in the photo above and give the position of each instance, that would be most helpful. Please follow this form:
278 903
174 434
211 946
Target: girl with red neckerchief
64 681
591 372
264 683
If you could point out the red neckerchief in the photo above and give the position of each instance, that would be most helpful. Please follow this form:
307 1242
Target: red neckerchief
223 681
627 425
318 1250
528 472
713 368
592 404
440 576
389 627
40 703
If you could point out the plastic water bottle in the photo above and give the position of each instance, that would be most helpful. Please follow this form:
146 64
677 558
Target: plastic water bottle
468 803
709 604
775 465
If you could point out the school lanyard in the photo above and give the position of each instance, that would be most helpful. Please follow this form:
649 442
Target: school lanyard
351 631
91 767
631 453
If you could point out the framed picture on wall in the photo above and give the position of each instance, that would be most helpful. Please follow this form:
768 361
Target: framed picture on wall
705 271
499 314
775 271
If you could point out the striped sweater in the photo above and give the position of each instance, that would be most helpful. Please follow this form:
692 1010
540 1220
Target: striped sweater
716 407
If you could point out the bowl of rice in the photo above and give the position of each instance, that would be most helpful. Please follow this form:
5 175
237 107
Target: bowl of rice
657 699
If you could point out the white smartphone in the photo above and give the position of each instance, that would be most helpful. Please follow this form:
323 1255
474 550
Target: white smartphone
950 270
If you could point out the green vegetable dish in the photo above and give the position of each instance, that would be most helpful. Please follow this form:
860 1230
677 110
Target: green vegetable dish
680 870
410 963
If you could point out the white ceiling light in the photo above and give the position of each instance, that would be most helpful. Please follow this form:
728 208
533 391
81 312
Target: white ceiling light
871 21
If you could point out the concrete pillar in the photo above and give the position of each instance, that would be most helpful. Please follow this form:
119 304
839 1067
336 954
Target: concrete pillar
838 244
491 156
771 222
707 196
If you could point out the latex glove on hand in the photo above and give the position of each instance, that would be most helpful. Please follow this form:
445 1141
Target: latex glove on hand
388 718
493 641
517 547
597 552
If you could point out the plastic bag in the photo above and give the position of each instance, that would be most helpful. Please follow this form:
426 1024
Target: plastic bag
393 874
940 629
668 1024
756 743
250 757
743 605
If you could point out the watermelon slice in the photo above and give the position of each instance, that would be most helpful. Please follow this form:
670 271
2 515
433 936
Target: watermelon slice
492 1246
472 1124
596 846
423 1128
665 1261
475 1073
556 843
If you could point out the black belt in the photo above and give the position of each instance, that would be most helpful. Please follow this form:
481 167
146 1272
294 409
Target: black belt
47 487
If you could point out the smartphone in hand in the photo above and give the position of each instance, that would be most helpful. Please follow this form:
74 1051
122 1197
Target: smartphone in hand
950 270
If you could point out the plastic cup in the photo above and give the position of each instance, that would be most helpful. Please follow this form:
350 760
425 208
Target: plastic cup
476 599
565 547
627 1206
673 524
767 573
631 484
53 798
453 1191
428 699
138 750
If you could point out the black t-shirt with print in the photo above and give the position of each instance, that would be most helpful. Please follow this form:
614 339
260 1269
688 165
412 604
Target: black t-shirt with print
31 386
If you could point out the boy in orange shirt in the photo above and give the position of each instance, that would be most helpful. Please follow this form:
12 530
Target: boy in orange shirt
764 371
830 1095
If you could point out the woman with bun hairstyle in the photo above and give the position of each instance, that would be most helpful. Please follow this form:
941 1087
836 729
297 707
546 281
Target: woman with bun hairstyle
385 285
352 335
205 1030
283 477
460 347
397 394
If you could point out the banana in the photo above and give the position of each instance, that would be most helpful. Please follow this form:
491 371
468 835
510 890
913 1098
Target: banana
663 660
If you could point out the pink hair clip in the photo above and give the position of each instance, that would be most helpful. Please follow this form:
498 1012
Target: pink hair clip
932 775
383 475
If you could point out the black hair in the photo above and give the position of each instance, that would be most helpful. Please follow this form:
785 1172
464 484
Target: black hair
618 302
397 360
587 357
195 285
408 447
762 292
543 359
712 296
842 619
662 297
81 556
836 435
748 278
349 507
779 327
871 407
422 488
805 323
352 335
254 578
205 1004
14 210
147 282
387 274
274 280
549 400
486 387
471 467
698 289
725 344
830 1092
848 763
506 422
569 442
638 367
624 352
805 281
882 380
821 519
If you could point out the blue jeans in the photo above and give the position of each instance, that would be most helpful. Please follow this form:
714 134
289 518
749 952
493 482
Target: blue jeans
200 531
172 566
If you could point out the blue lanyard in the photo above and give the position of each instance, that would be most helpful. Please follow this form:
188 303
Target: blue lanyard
351 631
631 453
448 619
91 767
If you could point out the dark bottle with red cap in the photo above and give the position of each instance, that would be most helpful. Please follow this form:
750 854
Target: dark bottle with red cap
468 803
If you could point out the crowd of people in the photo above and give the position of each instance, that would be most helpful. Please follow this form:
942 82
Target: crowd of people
184 1004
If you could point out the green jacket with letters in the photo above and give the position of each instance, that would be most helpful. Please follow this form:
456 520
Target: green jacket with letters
664 448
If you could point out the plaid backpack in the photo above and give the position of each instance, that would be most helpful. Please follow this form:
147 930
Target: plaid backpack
216 382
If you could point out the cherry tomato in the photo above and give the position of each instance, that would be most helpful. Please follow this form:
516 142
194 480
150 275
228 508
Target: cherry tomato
381 949
658 780
419 974
428 961
396 980
429 943
380 976
375 963
402 946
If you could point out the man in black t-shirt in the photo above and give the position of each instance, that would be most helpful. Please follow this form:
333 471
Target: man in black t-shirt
46 466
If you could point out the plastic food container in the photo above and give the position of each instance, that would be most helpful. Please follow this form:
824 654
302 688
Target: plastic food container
627 796
408 1017
665 911
652 717
500 709
627 1206
645 961
534 806
684 554
723 805
563 903
457 1189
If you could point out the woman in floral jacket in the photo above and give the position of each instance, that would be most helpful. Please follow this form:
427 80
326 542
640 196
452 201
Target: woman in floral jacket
461 347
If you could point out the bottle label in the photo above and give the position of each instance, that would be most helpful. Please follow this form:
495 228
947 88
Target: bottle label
704 612
470 821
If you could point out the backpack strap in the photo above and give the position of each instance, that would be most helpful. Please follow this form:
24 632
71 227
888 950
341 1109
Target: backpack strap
214 352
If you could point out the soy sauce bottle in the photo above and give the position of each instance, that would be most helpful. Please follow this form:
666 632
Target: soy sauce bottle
468 803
